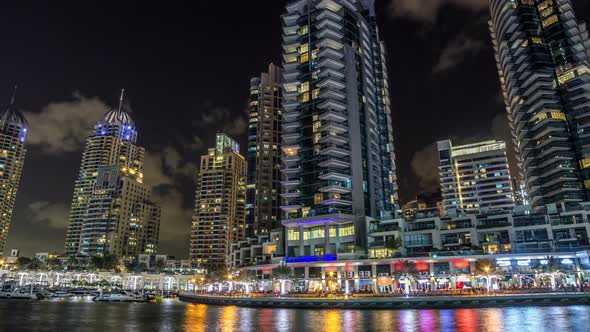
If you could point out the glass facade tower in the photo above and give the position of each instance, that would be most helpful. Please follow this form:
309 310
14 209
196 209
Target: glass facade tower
111 210
264 153
337 135
219 219
475 176
13 131
542 56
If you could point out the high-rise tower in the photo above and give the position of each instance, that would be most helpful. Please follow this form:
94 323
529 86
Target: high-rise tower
264 154
475 176
111 210
542 55
220 204
13 131
337 135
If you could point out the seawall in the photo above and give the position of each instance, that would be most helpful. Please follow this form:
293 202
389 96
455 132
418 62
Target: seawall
394 303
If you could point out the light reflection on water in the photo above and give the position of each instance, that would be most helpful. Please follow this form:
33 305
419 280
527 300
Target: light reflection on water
78 315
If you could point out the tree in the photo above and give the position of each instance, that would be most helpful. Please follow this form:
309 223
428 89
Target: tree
141 267
54 263
550 270
488 269
282 272
97 262
35 264
22 262
72 261
109 262
394 243
160 265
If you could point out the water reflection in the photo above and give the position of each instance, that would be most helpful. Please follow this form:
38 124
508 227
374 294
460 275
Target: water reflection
229 318
195 317
333 321
178 316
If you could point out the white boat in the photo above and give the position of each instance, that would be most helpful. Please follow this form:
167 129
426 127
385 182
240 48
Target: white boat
62 294
119 296
10 291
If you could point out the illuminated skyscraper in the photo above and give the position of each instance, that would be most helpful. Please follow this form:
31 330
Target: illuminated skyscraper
111 210
337 137
13 131
264 154
542 55
475 177
220 204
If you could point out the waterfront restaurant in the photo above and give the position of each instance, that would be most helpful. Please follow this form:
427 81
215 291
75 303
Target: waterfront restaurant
325 273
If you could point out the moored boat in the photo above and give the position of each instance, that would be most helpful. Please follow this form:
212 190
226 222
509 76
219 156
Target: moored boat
119 296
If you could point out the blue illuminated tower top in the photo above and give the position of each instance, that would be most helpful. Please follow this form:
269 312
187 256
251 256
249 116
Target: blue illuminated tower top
118 123
12 121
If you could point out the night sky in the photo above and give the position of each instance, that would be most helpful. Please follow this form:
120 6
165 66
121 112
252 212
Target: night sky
186 71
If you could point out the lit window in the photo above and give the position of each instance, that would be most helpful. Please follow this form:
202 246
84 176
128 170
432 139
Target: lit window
318 198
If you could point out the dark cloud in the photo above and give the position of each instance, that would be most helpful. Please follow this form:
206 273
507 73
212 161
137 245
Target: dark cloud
456 50
54 215
427 10
64 126
425 167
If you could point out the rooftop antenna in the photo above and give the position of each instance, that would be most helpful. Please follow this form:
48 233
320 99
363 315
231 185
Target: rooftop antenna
121 100
13 95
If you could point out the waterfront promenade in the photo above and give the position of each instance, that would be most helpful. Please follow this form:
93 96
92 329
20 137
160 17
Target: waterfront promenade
395 302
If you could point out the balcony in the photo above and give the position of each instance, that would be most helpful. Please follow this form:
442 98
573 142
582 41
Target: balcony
332 82
335 151
333 74
335 201
333 127
290 184
331 63
417 244
332 105
291 171
334 139
334 163
291 194
332 94
334 188
290 138
420 227
492 224
334 176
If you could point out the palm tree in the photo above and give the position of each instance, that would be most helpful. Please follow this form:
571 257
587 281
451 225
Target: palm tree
72 261
488 269
282 272
35 264
22 262
246 277
160 265
394 243
407 272
550 270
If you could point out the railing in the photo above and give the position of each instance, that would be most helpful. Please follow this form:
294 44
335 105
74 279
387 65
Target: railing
494 225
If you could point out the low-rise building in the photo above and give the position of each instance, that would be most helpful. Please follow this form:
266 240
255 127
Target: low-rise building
264 248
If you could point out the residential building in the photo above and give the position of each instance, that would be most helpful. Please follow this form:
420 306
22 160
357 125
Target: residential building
542 59
112 211
261 249
338 159
220 205
475 176
13 131
263 211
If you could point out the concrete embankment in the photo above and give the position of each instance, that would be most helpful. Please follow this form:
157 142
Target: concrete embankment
438 302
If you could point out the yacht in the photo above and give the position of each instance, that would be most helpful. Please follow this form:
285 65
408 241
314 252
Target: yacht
10 291
119 296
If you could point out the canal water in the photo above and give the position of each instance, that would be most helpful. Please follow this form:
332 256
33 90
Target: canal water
173 315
